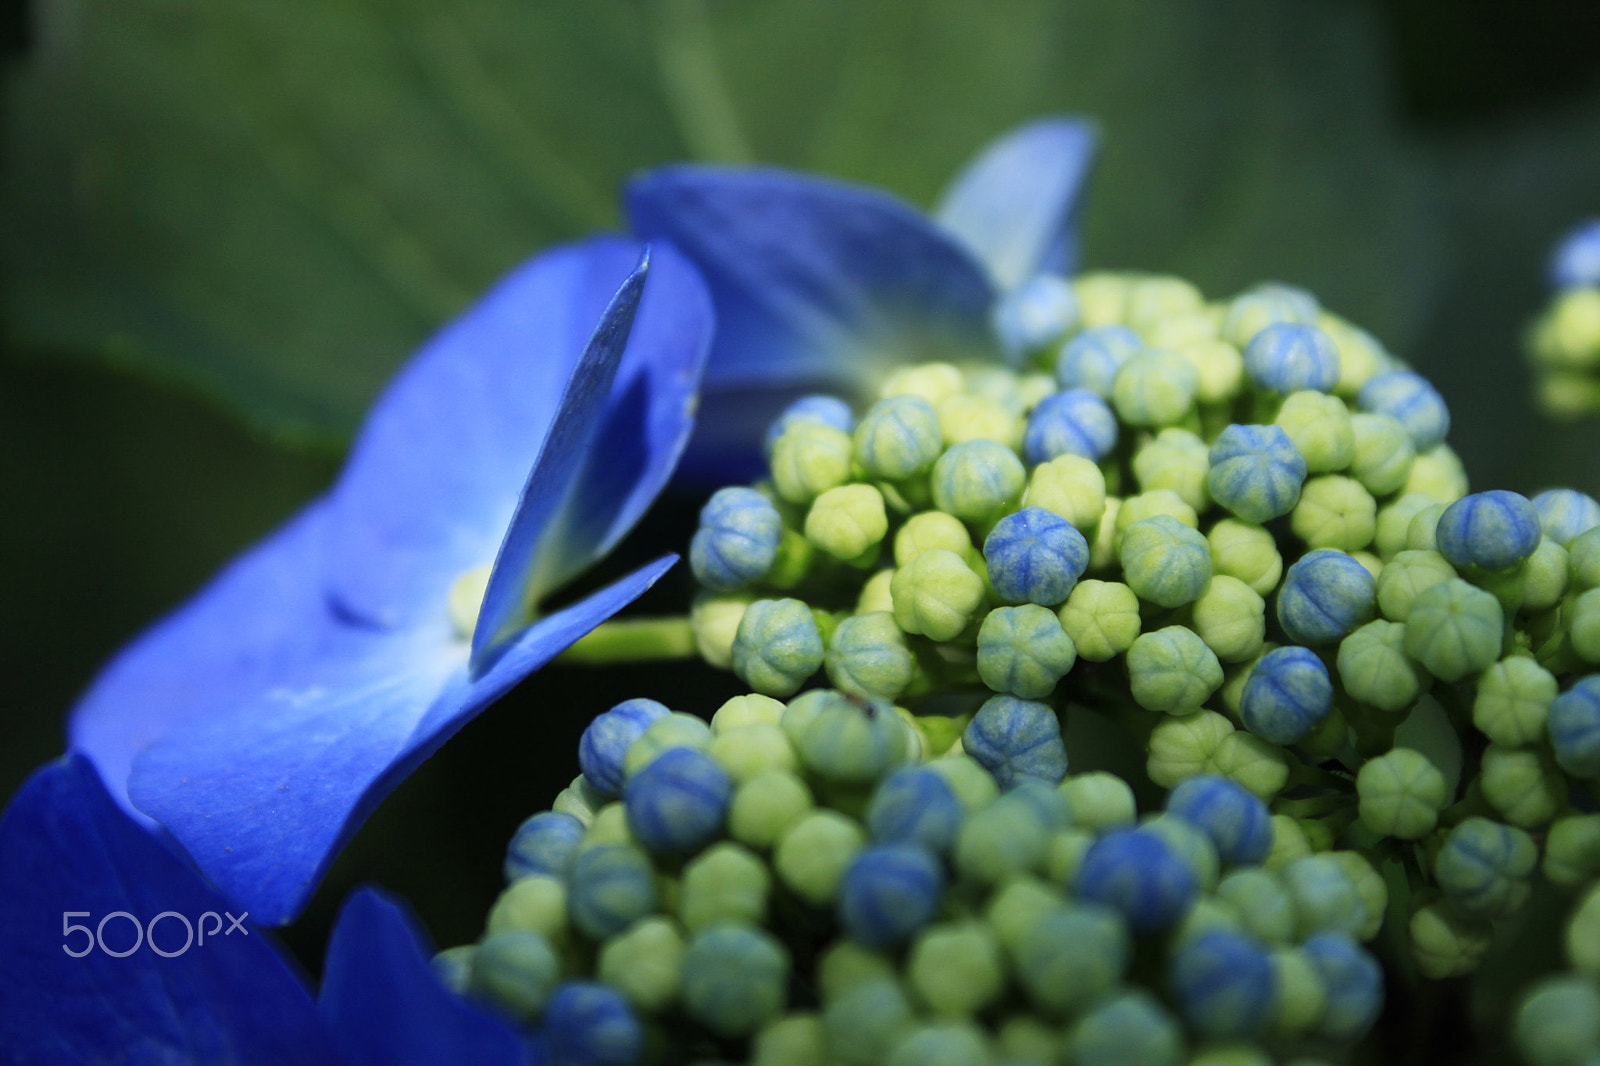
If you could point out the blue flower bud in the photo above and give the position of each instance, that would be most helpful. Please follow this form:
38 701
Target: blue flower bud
1072 955
890 892
1286 357
1129 1029
1484 867
915 805
737 540
1092 358
1035 314
678 802
1014 739
1325 596
1576 261
898 437
1565 514
1224 984
828 410
1237 822
609 888
978 479
1137 873
777 646
1493 530
590 1024
605 743
1023 651
1409 398
735 979
1074 422
1575 728
544 844
1256 472
1165 561
1352 983
1287 694
1035 556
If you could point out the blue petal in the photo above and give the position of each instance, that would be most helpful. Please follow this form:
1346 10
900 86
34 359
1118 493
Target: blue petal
1016 205
386 1007
264 796
434 477
64 846
258 617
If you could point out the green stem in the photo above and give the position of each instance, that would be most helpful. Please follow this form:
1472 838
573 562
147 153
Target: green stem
633 640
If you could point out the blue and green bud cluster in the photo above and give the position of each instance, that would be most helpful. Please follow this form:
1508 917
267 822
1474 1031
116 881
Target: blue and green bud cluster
1563 344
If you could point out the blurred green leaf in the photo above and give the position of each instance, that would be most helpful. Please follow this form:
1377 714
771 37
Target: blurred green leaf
277 201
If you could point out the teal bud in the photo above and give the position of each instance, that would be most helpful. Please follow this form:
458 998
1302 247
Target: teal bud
777 647
766 806
1321 429
935 595
1192 845
591 1024
453 967
1374 667
1247 552
1445 942
1383 453
609 888
845 740
1523 785
1129 1029
725 883
808 459
1401 794
1558 1022
1454 630
1172 670
515 969
1256 472
1484 866
867 656
1407 575
1035 314
1574 725
1231 618
1224 984
1264 906
1287 694
956 969
1409 399
1287 357
1326 595
1492 530
1155 387
1165 561
737 540
847 521
1101 618
1178 461
1071 956
943 1043
977 480
1335 512
915 805
1092 358
866 1020
814 853
1326 900
1566 514
1023 651
1352 983
898 438
1015 739
1572 850
603 748
1237 822
544 844
644 963
735 979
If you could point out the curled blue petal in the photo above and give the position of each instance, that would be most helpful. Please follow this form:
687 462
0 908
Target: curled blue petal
1576 261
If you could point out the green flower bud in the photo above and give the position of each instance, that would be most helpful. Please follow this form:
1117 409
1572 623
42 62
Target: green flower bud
1583 556
1172 670
1129 1027
1264 906
1071 956
1423 532
1219 364
715 623
1150 505
808 459
956 969
1102 297
1370 886
644 963
1401 793
868 656
747 750
1583 625
766 806
535 904
1374 667
1246 552
845 740
1178 461
1006 838
1524 785
1165 561
1326 899
1558 1023
1437 472
1445 942
1259 766
1230 617
930 529
1583 934
936 594
931 381
1099 800
978 480
1190 844
516 970
1406 576
1543 576
1301 998
1335 512
1064 854
1017 906
724 883
750 709
1361 357
876 594
1572 850
947 1043
1182 747
1104 543
1394 523
735 979
1101 618
1071 486
814 853
974 786
1319 425
866 1020
1289 843
1454 630
847 964
778 646
847 521
1383 453
1154 387
1484 866
1023 651
1154 299
579 799
793 1040
675 730
967 417
1027 1041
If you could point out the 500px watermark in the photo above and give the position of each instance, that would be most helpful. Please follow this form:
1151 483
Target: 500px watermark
145 934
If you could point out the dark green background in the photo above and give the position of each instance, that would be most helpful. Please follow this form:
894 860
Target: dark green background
218 244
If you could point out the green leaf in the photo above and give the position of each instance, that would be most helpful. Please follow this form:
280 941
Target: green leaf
276 202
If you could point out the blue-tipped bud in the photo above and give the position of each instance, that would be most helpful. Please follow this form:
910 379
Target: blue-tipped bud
1224 984
590 1024
737 541
828 410
1287 357
1074 422
515 968
1565 514
605 743
1256 472
1409 398
609 888
678 802
978 479
1484 867
544 844
1136 872
1165 561
1237 822
1014 739
1576 261
1575 728
1023 651
1129 1029
1287 694
890 892
1253 311
915 805
1352 983
1035 556
1325 596
898 437
1036 314
1492 530
735 979
1092 358
777 646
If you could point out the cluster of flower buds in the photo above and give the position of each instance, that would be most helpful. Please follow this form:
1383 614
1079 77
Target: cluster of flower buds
799 884
1564 342
1235 528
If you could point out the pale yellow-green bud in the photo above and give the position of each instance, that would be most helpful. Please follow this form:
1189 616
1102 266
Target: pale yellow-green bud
1181 748
875 594
1071 486
1438 473
1361 357
1154 298
1319 425
1257 765
1335 512
1178 332
1583 934
1524 784
966 417
536 904
1246 552
1383 454
809 459
1230 617
930 529
847 521
1102 298
1423 532
936 595
1152 504
1102 618
930 381
714 620
1177 460
1220 366
1394 523
1446 943
1099 800
1288 843
645 963
1103 544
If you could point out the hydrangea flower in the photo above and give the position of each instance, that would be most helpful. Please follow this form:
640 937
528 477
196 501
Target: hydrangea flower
263 722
